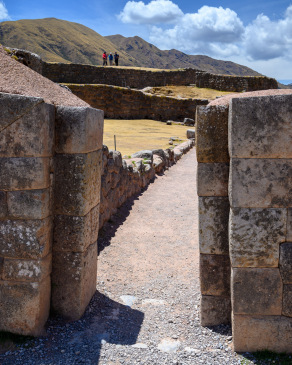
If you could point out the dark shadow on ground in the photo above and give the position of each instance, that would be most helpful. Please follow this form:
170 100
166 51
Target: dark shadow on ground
108 231
267 358
105 321
223 329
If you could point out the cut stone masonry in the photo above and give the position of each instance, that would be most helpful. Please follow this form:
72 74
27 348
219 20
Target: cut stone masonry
50 162
258 236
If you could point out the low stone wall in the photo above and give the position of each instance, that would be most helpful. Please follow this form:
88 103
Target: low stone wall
123 103
50 165
140 78
259 232
122 178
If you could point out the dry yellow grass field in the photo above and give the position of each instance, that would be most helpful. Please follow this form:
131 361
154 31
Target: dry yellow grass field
188 92
136 135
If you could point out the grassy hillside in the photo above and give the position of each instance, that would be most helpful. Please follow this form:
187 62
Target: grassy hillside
58 41
150 56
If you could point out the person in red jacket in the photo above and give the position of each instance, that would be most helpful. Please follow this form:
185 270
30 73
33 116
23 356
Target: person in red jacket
104 58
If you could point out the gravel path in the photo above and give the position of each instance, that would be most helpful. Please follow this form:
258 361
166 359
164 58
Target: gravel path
146 309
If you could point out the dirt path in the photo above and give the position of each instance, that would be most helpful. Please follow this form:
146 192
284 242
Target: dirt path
146 308
151 260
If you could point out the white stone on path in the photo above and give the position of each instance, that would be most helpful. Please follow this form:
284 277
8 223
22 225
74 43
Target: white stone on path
128 300
169 345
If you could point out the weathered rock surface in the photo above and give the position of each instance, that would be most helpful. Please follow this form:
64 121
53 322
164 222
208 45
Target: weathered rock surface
260 183
256 291
255 236
213 225
212 179
215 310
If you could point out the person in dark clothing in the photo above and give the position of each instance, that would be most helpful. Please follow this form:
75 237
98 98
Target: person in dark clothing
104 58
116 57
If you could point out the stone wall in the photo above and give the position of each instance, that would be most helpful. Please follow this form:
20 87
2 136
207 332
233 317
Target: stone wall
123 178
260 192
259 233
212 189
50 164
123 103
140 78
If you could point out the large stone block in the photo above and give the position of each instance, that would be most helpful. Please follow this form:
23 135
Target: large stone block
261 333
24 306
213 225
73 281
31 135
27 270
256 291
287 300
75 234
255 235
260 183
286 262
3 204
24 173
26 239
215 310
215 275
13 107
212 179
260 127
28 204
212 134
78 130
77 183
289 225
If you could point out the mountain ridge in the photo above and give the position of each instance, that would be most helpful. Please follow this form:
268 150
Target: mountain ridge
56 40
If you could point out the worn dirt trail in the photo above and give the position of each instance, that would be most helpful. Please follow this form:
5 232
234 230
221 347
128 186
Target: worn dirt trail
151 262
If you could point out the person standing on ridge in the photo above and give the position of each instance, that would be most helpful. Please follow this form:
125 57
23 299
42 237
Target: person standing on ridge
116 57
104 58
110 58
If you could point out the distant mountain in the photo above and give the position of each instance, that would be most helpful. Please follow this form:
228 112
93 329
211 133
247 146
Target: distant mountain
58 40
150 56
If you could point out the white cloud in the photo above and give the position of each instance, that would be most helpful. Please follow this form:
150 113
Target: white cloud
156 12
264 44
3 11
209 31
265 39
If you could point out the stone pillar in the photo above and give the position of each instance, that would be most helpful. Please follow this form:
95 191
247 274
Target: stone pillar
212 187
26 146
77 164
260 135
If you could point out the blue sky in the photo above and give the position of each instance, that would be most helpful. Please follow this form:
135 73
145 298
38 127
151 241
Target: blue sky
257 34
